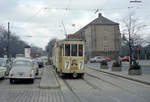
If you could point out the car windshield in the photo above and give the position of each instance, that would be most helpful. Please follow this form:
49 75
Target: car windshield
22 62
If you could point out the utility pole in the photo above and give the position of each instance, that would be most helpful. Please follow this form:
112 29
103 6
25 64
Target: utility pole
8 36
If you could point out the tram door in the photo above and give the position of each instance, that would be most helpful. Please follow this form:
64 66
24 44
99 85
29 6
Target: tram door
67 56
60 57
73 59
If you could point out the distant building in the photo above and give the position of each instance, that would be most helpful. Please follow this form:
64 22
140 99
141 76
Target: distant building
102 38
27 51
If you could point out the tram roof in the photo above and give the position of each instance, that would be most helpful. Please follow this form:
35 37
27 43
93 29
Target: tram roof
73 40
65 40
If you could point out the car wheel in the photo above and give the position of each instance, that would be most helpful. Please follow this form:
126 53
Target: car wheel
32 80
2 78
37 73
75 75
11 81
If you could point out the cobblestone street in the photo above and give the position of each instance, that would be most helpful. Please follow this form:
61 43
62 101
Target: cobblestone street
95 87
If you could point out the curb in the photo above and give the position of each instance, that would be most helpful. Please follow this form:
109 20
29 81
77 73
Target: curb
125 77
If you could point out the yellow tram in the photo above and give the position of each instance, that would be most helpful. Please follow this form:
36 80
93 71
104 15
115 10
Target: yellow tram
69 57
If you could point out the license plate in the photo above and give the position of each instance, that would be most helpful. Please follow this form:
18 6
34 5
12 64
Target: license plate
21 73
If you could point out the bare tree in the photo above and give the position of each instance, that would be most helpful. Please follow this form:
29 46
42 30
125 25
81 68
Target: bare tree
16 45
133 29
50 46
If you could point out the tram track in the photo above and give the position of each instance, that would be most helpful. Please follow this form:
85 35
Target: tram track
117 77
73 92
62 81
109 82
70 87
113 84
93 76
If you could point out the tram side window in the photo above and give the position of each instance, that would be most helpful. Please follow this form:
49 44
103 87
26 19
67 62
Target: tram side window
80 50
67 50
74 50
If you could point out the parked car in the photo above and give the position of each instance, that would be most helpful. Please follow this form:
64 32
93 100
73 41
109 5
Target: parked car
44 59
108 59
4 64
22 69
125 59
97 59
36 67
2 71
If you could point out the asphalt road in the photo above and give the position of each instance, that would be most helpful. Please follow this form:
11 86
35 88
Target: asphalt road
95 87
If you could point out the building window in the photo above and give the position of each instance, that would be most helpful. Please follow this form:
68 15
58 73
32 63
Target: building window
105 28
105 38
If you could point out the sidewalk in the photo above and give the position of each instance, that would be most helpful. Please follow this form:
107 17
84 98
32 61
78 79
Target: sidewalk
144 78
48 79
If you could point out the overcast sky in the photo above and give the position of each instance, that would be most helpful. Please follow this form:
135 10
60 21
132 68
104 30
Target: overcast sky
42 19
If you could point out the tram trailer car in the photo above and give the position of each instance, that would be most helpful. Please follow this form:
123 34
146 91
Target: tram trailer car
69 57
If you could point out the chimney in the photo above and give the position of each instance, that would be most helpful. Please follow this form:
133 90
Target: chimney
99 15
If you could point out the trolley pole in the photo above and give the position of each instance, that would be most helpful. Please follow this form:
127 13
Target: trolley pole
64 28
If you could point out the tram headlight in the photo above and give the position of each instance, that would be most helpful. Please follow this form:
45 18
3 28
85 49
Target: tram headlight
74 61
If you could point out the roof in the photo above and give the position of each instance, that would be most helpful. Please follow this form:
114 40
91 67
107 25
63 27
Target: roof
98 21
102 20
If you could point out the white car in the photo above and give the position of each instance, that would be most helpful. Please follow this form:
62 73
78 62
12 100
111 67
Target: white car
36 67
3 68
97 59
22 69
2 71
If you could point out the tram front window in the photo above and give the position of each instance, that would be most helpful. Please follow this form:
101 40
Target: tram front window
74 50
80 50
67 50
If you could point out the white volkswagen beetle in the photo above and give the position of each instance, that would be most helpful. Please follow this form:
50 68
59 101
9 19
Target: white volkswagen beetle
22 69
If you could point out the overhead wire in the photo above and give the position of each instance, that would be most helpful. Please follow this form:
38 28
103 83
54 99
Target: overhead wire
36 13
75 9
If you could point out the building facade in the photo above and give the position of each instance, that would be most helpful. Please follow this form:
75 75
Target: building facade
102 38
